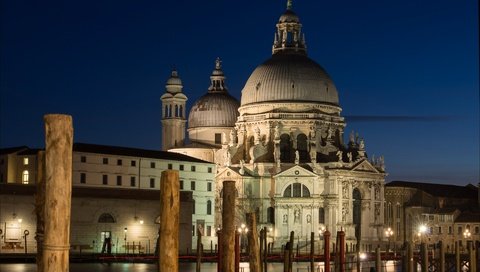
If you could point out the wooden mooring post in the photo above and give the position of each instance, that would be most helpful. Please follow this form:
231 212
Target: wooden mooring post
58 192
169 221
228 226
254 253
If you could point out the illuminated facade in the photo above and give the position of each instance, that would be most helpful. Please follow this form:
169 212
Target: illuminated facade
283 145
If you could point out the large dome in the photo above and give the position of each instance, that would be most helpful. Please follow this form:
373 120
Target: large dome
214 110
289 77
217 108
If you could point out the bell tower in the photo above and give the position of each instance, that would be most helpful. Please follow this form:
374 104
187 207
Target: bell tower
173 113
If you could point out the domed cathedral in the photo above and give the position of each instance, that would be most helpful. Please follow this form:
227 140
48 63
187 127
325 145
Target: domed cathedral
284 148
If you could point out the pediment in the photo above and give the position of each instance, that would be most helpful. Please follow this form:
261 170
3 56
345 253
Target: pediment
365 166
229 173
296 171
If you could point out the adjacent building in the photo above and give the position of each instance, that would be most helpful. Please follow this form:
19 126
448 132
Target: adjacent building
114 195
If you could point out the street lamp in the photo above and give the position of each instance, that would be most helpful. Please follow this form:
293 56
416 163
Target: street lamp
321 230
125 239
242 230
388 233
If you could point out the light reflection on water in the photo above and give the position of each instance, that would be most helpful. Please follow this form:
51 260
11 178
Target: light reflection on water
149 267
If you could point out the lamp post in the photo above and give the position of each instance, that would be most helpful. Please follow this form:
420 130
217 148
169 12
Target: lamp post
242 230
467 234
388 234
125 239
321 230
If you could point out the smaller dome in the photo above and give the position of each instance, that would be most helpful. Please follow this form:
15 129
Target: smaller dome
214 110
217 108
174 83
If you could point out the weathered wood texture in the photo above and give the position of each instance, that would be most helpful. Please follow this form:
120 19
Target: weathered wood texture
254 248
58 192
228 226
169 221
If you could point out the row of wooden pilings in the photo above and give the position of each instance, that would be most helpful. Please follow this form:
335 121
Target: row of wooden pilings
53 205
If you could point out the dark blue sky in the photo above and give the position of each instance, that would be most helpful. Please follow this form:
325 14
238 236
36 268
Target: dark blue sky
106 62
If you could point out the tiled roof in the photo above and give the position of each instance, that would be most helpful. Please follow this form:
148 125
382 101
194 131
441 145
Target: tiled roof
134 152
10 150
439 190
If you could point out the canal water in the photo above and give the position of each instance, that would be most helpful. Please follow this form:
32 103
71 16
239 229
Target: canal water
206 267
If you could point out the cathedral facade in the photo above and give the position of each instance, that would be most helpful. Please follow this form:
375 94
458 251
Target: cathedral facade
283 144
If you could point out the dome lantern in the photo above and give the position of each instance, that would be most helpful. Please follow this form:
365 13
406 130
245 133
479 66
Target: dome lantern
289 36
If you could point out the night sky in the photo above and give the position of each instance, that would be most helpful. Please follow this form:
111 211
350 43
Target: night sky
407 71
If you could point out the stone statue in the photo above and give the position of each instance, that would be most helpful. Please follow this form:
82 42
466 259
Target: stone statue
297 157
361 146
232 137
285 219
256 136
352 136
276 153
329 132
340 155
242 167
228 160
276 132
350 156
296 215
381 162
309 218
313 133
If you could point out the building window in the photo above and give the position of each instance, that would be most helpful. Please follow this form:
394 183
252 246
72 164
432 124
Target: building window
106 218
105 160
119 162
209 186
170 166
25 177
181 184
439 230
321 216
209 169
83 159
132 181
152 183
449 229
105 180
152 165
209 230
218 138
192 185
193 168
181 167
209 207
460 230
193 206
83 178
25 161
296 190
477 230
193 229
119 180
133 163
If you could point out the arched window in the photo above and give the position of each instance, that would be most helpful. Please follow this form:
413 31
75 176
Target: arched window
166 111
170 111
181 111
106 218
176 111
296 190
209 207
25 177
302 147
285 147
321 215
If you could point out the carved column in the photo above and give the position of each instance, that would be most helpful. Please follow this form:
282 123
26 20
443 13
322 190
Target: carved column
58 191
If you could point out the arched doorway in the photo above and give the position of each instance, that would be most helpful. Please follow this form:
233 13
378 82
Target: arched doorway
285 148
302 147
